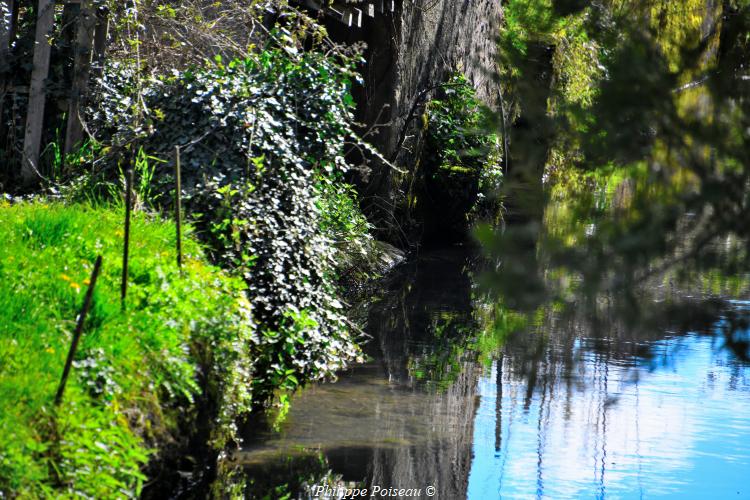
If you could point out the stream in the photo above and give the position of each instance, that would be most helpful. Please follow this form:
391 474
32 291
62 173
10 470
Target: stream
564 411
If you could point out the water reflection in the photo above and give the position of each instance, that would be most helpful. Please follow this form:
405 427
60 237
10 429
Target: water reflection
612 359
670 426
566 408
405 418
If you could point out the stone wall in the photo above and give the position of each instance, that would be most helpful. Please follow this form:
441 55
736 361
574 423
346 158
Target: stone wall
409 53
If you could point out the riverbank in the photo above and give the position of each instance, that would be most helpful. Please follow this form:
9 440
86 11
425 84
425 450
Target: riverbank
179 367
140 373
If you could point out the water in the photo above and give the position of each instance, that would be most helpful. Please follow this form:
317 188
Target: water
674 428
567 409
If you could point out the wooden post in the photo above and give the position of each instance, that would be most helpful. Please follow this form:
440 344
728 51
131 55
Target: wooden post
78 331
178 204
37 92
8 11
86 25
126 245
7 7
13 19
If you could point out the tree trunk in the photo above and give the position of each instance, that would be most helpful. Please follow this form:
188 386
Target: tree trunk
37 93
82 65
100 40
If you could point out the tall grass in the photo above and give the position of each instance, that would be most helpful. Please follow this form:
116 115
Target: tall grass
135 371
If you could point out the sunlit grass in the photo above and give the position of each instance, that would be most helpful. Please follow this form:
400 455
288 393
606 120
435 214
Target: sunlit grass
131 366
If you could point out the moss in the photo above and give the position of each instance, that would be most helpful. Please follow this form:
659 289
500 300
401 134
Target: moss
457 169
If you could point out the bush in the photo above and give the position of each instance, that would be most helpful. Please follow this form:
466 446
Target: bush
461 166
263 143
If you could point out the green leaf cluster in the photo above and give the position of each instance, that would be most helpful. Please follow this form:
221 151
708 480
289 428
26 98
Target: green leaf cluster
263 157
462 161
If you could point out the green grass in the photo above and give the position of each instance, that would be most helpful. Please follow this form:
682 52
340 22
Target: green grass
135 371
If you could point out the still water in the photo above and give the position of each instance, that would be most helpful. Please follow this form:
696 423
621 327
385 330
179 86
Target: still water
562 410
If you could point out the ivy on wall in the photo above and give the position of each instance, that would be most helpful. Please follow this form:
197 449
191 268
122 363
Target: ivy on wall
263 142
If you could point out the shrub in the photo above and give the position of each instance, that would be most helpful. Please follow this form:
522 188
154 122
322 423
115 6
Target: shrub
461 165
263 143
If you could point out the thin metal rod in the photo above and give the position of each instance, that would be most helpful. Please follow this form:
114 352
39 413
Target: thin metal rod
78 331
126 246
178 205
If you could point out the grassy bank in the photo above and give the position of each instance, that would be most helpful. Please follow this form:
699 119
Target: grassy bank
137 374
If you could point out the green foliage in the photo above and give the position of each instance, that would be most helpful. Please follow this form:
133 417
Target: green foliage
456 127
263 143
341 217
462 166
348 229
137 372
525 21
533 28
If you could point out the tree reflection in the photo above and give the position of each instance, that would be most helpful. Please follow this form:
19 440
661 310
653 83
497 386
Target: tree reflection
644 224
404 419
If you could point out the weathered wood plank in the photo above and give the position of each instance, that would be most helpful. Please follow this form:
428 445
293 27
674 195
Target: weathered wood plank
7 30
37 93
349 12
86 26
6 27
100 40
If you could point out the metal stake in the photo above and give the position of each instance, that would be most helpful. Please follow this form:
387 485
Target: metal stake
178 205
78 331
126 246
